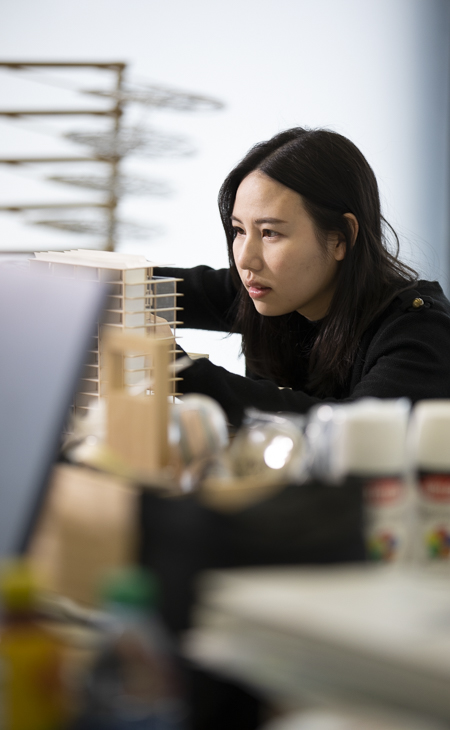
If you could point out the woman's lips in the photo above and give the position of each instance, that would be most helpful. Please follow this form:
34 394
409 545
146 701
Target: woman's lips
258 292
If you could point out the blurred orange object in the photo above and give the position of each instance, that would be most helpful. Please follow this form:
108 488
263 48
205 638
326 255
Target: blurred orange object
88 526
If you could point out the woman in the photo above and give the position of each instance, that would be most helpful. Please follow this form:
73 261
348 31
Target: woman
327 312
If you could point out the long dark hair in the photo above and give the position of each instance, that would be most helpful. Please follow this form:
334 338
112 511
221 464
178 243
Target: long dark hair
333 178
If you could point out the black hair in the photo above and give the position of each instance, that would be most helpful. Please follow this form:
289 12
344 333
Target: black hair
333 178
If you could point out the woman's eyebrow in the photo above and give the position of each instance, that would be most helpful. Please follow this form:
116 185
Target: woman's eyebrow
260 221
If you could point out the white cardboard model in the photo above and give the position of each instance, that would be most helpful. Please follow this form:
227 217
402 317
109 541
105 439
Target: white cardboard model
138 303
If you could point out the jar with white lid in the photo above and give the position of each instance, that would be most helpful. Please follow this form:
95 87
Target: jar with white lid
429 443
367 439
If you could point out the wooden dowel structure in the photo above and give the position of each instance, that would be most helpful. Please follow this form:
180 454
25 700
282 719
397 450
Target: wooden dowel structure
114 113
109 142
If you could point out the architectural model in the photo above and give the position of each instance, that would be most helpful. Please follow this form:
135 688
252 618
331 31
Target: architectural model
138 303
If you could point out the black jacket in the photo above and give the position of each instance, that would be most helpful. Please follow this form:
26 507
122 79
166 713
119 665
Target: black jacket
405 352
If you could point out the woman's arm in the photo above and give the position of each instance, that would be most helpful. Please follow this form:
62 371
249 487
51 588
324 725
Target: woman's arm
408 356
209 297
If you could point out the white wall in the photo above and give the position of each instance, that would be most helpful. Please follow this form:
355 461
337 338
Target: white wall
374 70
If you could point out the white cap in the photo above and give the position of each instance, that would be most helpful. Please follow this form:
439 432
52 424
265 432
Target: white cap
370 437
430 435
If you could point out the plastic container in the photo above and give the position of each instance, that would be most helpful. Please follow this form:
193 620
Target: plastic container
197 430
269 445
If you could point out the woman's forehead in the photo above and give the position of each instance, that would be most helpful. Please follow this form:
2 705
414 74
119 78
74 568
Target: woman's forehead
261 196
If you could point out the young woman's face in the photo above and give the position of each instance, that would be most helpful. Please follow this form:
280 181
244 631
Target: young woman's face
277 252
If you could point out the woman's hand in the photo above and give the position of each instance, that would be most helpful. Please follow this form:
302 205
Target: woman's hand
159 327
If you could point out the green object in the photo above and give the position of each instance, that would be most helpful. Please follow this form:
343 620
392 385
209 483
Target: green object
130 587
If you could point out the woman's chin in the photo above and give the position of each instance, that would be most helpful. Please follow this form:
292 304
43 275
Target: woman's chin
268 310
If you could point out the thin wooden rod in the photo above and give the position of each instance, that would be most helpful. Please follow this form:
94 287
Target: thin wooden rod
58 112
114 65
114 169
40 160
48 206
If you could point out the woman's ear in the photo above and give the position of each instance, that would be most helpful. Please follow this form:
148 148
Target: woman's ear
339 247
338 241
354 225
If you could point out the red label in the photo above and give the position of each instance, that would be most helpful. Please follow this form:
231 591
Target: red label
436 487
383 491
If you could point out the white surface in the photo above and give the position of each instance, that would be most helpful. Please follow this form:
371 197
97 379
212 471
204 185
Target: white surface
97 259
351 718
354 634
392 613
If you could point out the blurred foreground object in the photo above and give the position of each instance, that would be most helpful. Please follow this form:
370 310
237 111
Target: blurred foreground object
355 637
88 526
33 694
133 682
289 525
265 454
269 444
367 439
352 718
198 433
430 456
46 325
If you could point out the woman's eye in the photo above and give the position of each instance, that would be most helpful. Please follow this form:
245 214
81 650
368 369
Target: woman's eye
268 233
237 231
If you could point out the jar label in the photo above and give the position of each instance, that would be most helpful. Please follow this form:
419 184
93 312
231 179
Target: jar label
383 492
385 505
435 487
434 515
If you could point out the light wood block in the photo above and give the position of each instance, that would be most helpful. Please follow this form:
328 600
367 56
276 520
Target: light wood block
137 425
87 527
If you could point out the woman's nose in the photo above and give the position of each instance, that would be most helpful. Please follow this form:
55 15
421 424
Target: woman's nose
247 253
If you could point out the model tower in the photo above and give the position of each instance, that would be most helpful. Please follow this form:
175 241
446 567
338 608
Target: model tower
138 302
